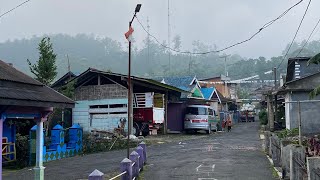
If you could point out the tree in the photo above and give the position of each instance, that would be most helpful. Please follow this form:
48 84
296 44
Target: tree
45 68
176 42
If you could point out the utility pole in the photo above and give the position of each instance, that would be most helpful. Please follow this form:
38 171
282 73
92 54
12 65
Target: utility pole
275 96
148 44
69 69
190 64
270 112
299 122
225 66
169 36
130 115
226 74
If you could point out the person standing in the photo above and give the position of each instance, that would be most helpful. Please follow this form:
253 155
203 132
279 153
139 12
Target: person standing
229 124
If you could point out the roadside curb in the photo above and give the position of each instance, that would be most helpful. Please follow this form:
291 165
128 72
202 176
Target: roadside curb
275 168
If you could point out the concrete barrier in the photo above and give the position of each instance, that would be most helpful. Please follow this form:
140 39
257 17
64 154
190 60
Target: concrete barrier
129 168
275 148
297 163
313 167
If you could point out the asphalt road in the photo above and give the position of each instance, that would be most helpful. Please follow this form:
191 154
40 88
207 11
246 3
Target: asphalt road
229 155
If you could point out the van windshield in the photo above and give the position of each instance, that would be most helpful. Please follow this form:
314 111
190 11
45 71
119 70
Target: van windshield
197 110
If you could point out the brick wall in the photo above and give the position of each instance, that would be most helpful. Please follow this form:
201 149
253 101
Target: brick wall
107 91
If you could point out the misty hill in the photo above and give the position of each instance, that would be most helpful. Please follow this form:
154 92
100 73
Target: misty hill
151 60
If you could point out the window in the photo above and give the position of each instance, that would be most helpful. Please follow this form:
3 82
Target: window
197 110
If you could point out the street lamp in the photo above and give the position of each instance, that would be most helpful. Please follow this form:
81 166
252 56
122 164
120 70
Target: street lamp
130 116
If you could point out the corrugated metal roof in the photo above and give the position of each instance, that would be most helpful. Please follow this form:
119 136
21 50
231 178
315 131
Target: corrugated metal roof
297 68
207 92
179 82
134 78
9 73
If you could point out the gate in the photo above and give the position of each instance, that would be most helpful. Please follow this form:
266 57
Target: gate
299 166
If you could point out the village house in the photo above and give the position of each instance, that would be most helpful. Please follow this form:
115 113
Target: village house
222 84
192 95
102 102
23 98
300 81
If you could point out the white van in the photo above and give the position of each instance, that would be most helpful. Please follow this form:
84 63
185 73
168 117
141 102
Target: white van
200 117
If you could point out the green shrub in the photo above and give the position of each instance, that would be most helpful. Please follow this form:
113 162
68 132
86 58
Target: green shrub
92 144
22 151
263 117
287 133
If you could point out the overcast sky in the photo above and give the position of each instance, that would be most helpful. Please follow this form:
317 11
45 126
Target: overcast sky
220 22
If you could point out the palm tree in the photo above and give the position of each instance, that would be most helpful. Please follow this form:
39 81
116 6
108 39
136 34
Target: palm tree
314 60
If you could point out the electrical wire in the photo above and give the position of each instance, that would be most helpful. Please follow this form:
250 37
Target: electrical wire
228 47
14 8
295 35
310 35
308 38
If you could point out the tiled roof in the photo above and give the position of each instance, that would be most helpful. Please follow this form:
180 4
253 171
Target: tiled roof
9 73
18 86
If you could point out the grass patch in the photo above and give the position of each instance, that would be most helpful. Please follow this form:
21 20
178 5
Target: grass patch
274 173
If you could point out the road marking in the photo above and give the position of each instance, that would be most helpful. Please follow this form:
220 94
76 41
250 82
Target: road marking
205 169
198 167
210 148
207 179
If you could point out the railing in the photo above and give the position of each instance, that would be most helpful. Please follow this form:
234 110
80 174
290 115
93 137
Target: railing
119 175
299 166
316 174
276 151
129 168
8 152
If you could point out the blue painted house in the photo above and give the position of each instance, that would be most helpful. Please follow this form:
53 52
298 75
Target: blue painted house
211 95
187 83
101 98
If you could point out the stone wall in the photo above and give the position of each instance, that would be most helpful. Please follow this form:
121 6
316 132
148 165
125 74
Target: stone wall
96 92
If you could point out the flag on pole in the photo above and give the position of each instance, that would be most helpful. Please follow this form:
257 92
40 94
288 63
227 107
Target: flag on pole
128 34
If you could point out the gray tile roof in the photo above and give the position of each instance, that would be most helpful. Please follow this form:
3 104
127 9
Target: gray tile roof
9 73
17 86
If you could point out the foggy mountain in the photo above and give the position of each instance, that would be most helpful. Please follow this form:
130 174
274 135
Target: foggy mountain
151 60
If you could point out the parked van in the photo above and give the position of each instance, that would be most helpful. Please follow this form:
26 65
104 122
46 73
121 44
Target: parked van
200 117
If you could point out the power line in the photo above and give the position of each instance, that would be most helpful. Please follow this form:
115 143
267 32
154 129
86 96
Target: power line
228 47
295 35
309 37
14 8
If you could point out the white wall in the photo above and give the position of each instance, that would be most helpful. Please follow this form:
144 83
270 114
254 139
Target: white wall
81 115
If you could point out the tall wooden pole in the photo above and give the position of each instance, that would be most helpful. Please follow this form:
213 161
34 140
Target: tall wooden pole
299 122
129 98
275 96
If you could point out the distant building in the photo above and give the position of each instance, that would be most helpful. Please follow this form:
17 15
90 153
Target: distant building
300 81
